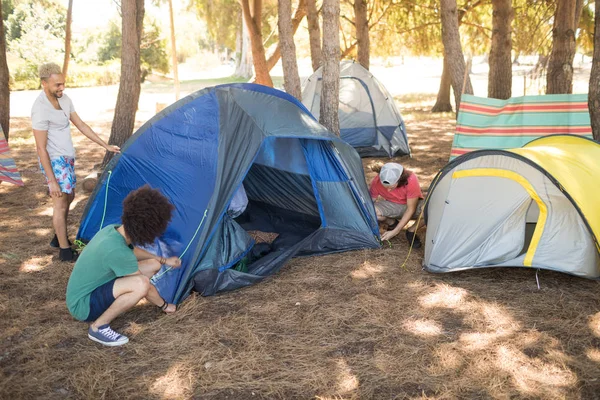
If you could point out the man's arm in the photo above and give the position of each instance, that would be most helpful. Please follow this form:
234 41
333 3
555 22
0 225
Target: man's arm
411 207
41 140
90 134
142 254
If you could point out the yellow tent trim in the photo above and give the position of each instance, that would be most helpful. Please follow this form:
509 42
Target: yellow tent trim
502 173
575 163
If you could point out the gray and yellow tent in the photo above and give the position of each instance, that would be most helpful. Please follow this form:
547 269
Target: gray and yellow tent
535 206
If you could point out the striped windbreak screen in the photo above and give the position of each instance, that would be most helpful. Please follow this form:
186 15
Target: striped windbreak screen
8 168
505 124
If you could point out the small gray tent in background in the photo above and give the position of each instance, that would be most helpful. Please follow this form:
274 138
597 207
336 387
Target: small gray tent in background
369 118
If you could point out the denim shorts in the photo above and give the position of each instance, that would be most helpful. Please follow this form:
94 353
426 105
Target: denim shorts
100 299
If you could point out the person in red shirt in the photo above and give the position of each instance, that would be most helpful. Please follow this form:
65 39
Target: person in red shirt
398 199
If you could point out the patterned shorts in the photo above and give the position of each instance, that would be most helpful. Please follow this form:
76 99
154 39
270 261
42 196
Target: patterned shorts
64 172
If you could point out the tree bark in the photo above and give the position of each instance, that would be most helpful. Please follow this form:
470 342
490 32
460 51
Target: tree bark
500 76
174 51
132 13
560 66
362 32
453 51
296 19
254 23
330 92
442 104
314 34
291 78
65 68
244 68
4 83
594 89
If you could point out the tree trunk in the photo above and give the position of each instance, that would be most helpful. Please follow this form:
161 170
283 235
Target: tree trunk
362 32
442 104
594 90
291 78
4 82
244 68
65 68
314 34
296 19
174 51
560 66
453 51
239 40
253 22
500 76
330 92
132 15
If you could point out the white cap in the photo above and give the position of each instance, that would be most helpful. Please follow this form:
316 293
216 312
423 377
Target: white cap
390 173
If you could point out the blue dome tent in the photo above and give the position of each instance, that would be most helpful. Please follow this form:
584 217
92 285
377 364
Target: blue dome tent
302 182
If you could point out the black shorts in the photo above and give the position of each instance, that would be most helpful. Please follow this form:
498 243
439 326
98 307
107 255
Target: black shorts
100 299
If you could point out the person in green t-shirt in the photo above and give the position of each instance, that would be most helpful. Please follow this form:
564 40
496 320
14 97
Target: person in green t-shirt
112 275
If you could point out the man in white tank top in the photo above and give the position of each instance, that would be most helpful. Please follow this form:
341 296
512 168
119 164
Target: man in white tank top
51 115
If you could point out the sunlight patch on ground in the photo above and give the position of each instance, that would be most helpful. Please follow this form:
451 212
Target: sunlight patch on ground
482 340
367 270
532 375
46 212
347 381
449 359
35 264
423 327
444 296
134 329
175 384
42 232
495 316
593 354
594 324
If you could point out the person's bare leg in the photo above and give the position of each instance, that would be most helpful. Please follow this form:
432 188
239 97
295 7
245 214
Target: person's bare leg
60 206
149 268
128 291
70 198
155 298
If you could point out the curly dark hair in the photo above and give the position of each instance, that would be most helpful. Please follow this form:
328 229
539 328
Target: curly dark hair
146 214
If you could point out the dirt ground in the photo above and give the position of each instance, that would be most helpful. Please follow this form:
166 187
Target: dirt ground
344 326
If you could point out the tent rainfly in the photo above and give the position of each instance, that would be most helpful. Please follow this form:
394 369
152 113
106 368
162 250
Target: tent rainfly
302 182
535 206
369 118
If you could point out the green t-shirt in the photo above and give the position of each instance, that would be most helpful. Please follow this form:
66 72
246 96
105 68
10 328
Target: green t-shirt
106 257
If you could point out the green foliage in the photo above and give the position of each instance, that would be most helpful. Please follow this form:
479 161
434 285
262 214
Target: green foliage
7 9
585 37
223 18
110 42
532 26
35 32
152 49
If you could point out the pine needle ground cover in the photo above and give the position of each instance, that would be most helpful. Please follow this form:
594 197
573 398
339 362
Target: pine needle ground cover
345 326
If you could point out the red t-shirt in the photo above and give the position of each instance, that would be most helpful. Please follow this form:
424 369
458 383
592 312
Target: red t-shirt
399 195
